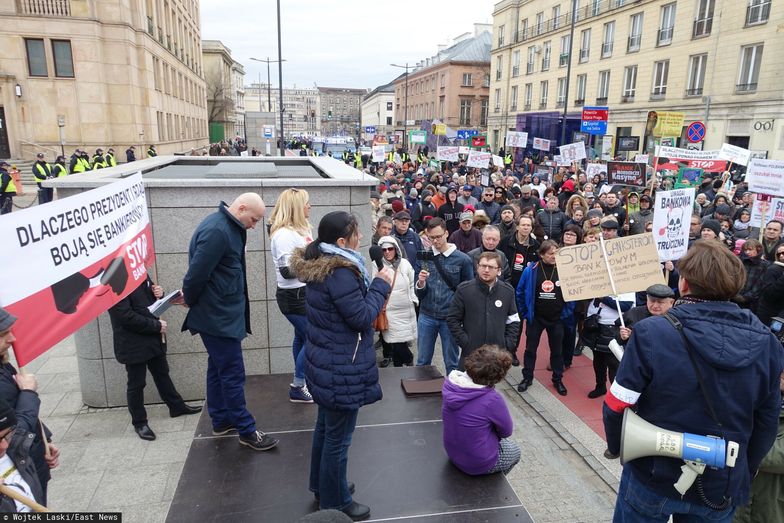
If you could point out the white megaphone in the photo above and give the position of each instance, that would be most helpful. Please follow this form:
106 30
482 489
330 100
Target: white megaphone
616 348
640 439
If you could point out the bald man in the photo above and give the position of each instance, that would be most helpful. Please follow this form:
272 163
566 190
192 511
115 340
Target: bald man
216 291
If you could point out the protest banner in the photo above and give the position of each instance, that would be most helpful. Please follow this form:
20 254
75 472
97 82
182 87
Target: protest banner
686 154
592 169
671 221
478 159
633 262
763 211
463 149
544 173
766 176
688 177
498 161
448 153
87 252
541 144
668 124
734 154
573 152
378 153
560 161
626 173
516 139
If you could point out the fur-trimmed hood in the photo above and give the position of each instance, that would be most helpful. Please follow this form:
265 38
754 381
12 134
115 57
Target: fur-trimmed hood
316 270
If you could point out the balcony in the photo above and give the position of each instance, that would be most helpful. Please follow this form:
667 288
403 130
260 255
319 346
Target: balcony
746 88
664 36
529 68
45 7
694 92
513 108
563 60
497 109
527 106
515 71
757 14
702 27
543 104
498 75
627 98
658 93
584 54
545 64
579 102
500 41
633 45
559 104
607 49
601 100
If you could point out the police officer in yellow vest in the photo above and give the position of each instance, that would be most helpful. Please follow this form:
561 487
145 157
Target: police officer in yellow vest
111 161
151 152
508 161
42 171
98 161
7 189
345 156
59 170
421 157
391 156
358 160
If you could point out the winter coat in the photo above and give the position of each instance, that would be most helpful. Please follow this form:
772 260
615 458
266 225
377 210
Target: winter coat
411 243
451 215
492 209
740 362
767 501
340 361
475 419
418 214
436 295
755 280
517 266
19 452
552 222
215 287
638 220
466 241
526 298
401 314
136 331
771 301
505 271
619 213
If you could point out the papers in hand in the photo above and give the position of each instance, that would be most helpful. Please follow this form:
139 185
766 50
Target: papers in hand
160 306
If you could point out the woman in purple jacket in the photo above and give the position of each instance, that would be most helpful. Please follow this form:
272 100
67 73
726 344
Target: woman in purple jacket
477 423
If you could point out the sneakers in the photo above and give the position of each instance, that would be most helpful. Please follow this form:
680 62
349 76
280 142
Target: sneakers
259 441
222 431
300 394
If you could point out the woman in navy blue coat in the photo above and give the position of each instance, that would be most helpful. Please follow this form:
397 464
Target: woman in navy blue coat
340 361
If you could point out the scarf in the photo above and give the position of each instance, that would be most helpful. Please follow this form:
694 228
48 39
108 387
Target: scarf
349 254
693 299
740 226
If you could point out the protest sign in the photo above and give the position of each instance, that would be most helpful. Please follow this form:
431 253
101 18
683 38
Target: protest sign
463 149
87 252
641 158
498 161
541 144
689 177
543 172
668 124
478 159
633 261
439 129
417 136
734 154
561 161
766 176
765 211
380 139
448 153
516 139
378 153
626 173
573 152
671 221
592 169
686 154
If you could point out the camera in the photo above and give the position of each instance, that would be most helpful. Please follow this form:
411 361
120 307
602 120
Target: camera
425 255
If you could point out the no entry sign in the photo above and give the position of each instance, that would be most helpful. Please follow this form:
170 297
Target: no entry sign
695 132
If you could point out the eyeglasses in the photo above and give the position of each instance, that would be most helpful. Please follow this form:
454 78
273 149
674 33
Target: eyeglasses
780 253
387 249
436 237
488 267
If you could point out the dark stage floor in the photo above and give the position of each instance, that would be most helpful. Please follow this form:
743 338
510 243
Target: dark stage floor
396 459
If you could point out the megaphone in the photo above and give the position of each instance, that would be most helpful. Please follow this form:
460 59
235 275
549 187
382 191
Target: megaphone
640 439
616 349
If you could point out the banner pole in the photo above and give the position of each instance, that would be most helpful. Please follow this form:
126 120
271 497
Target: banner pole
612 281
47 450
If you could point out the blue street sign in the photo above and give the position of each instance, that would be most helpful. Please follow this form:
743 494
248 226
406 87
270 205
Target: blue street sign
370 129
465 134
594 127
696 132
473 132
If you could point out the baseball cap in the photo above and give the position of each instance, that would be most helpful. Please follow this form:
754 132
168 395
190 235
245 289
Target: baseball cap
468 187
609 222
466 216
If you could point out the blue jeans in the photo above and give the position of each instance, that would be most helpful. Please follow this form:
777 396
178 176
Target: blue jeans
226 385
300 323
428 328
639 504
329 457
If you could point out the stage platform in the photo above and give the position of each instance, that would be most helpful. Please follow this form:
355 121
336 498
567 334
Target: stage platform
397 462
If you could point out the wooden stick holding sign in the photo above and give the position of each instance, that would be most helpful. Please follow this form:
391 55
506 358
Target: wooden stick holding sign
16 496
612 281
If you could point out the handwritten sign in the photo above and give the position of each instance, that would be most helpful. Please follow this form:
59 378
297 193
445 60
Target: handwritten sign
448 153
764 211
686 154
378 153
498 161
593 169
734 154
641 158
633 261
516 139
478 159
541 144
766 176
463 149
573 152
671 220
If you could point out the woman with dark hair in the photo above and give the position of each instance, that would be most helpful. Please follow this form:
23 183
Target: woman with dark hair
477 423
755 266
340 363
501 197
572 235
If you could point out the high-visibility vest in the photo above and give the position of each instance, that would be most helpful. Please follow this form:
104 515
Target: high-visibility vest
60 171
82 165
358 160
404 157
345 156
42 173
10 187
508 159
391 156
110 161
151 152
421 157
98 162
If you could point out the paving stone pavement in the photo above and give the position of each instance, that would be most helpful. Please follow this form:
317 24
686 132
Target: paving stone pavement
104 466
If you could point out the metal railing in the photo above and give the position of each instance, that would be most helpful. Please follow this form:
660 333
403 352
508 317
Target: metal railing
607 49
563 59
702 27
560 103
529 68
498 75
579 102
665 36
694 92
543 104
545 64
584 54
45 7
515 71
150 26
37 148
746 88
627 98
601 100
633 43
527 107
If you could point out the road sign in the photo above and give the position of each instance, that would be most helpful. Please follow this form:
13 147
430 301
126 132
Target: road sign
267 131
370 129
696 132
462 134
594 120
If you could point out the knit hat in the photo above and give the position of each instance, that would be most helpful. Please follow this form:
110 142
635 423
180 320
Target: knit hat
6 319
7 415
568 185
397 206
506 208
413 193
723 208
442 189
426 193
374 194
713 225
526 188
609 222
594 213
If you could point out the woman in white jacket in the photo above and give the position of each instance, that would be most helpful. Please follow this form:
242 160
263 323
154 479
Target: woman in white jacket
400 308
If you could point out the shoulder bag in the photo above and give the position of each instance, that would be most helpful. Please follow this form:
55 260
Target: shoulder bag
381 323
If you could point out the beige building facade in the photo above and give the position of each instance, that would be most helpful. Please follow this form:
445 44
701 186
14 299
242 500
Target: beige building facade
378 110
451 86
715 61
108 73
340 108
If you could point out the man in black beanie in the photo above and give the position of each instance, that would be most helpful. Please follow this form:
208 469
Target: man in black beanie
16 467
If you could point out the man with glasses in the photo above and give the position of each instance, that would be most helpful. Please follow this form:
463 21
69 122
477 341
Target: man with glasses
443 270
483 310
771 301
489 205
771 239
16 467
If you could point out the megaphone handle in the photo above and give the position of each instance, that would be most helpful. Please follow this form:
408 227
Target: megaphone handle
690 471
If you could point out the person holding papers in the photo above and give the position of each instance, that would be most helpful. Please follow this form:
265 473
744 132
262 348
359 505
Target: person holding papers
140 344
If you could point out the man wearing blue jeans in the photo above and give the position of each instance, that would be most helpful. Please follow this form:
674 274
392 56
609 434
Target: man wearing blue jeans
215 289
435 287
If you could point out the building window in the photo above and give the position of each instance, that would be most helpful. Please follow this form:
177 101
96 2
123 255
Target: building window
585 45
389 120
501 35
604 87
750 62
561 94
389 106
539 23
523 30
529 65
703 20
596 7
483 113
543 94
581 81
660 71
666 25
467 82
696 80
63 59
556 17
498 67
497 106
465 112
513 99
607 41
36 57
529 88
566 48
486 81
635 33
156 72
629 83
757 12
443 79
547 52
516 63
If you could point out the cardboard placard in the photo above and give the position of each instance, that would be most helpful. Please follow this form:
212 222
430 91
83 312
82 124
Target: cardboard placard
448 153
573 152
516 139
541 144
478 159
734 154
688 177
671 221
592 169
378 153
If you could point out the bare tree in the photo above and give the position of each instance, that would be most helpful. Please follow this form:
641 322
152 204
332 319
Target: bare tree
219 100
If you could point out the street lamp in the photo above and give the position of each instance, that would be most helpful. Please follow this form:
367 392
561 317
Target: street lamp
405 111
269 86
568 72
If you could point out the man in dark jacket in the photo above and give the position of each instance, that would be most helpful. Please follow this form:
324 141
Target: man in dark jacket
16 467
42 171
7 189
637 220
130 154
739 364
771 300
140 344
407 238
466 238
483 310
422 211
491 238
613 207
489 205
771 239
215 289
552 220
528 200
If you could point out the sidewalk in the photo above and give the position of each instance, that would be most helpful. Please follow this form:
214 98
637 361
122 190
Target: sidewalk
562 476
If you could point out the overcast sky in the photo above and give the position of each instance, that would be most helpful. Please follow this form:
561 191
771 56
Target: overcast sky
337 43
